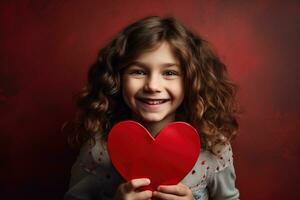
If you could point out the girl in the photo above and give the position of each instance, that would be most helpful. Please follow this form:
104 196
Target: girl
156 71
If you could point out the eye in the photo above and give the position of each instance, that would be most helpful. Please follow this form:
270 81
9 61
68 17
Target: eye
137 72
171 73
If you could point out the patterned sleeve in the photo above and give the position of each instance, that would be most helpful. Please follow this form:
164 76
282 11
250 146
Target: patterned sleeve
84 185
92 175
221 183
77 170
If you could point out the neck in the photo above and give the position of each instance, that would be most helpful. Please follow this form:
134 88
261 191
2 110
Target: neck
155 127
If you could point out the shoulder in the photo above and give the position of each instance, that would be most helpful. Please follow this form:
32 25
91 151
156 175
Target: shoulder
220 157
94 154
94 159
93 172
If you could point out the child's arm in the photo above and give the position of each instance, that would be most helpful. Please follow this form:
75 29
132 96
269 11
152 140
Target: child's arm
221 183
83 184
92 179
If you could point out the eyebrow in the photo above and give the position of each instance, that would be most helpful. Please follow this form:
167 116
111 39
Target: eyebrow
140 64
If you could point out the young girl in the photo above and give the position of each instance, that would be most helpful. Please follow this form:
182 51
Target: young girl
156 71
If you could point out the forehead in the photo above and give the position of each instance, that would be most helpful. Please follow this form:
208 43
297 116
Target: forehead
161 54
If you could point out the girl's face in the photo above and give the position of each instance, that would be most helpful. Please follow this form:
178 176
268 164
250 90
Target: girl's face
153 86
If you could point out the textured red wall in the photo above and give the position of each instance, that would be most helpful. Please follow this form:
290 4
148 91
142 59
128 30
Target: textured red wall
47 46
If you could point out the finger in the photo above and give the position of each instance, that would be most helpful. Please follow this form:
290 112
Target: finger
147 194
179 189
136 183
164 196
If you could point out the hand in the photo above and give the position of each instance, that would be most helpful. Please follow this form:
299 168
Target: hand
173 192
129 190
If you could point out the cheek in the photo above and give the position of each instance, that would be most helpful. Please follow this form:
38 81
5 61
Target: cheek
178 91
130 88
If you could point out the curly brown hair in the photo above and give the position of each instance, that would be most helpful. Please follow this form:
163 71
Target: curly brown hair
209 103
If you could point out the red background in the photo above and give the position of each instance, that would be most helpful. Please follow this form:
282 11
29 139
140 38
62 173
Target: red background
47 47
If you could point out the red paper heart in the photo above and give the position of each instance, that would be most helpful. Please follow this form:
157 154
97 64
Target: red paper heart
165 160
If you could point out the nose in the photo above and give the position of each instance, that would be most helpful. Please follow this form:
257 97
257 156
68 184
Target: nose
153 84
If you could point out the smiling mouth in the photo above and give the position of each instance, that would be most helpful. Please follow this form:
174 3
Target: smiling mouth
153 101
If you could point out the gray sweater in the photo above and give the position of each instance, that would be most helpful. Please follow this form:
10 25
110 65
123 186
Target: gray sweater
93 176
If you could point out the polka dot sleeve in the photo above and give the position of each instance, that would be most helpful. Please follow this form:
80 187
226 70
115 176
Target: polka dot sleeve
221 180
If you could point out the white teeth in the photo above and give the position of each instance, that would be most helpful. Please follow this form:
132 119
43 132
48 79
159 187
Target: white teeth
153 102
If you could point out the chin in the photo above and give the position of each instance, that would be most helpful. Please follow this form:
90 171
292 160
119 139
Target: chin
152 118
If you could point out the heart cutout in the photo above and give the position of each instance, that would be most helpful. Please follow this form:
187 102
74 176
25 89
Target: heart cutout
165 159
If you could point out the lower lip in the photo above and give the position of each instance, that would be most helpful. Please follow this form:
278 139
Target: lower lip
152 107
